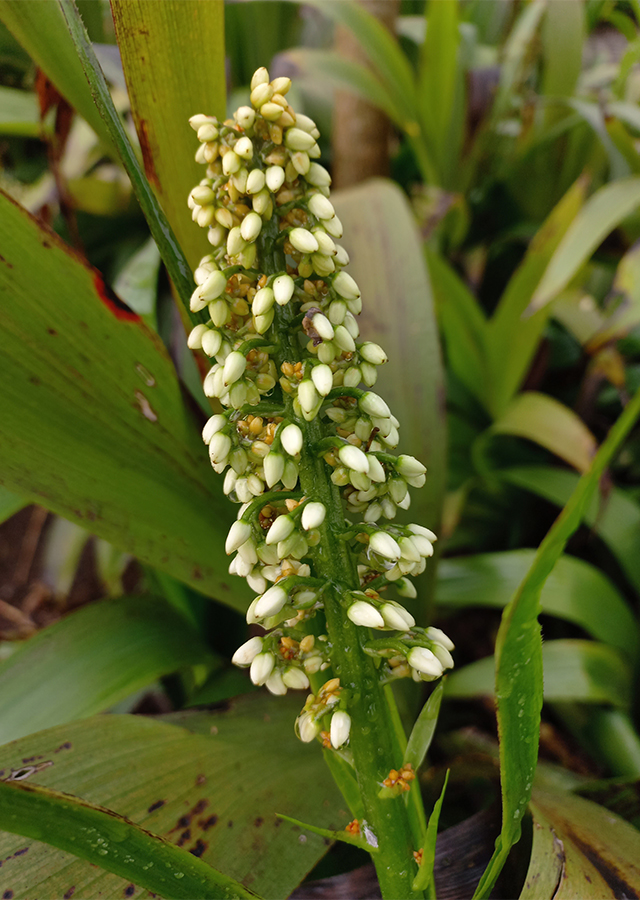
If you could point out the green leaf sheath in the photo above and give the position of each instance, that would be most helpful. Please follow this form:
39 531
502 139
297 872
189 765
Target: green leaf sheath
372 742
112 842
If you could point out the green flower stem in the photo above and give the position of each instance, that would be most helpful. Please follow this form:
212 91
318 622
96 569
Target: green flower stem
373 741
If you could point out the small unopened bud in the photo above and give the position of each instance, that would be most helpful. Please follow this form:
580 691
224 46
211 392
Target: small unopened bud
308 396
262 667
340 728
320 207
409 550
234 367
443 656
334 228
295 679
307 727
255 181
219 447
245 116
246 654
274 177
373 353
425 532
318 176
424 661
244 148
439 637
198 120
273 468
231 162
354 458
323 326
207 132
275 684
363 613
212 342
213 426
396 616
194 341
235 242
346 286
262 302
344 340
406 588
260 76
238 533
283 287
322 377
303 240
260 95
213 287
297 139
373 405
291 439
384 545
313 515
280 530
251 226
409 466
271 602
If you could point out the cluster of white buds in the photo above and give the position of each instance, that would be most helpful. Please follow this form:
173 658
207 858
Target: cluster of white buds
265 197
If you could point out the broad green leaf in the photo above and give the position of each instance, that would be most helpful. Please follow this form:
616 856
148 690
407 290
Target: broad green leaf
424 729
40 28
463 324
575 591
92 420
562 37
608 733
541 418
603 212
424 878
594 116
137 282
345 778
578 670
437 81
9 504
512 340
105 839
519 683
621 796
211 782
19 113
109 650
613 515
172 255
173 62
386 261
593 852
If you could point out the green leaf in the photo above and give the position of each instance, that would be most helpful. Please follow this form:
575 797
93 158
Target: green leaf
19 113
40 28
386 261
344 836
575 591
9 504
93 424
169 79
562 39
611 514
171 252
424 729
541 418
110 650
592 852
345 778
583 671
515 56
519 682
211 782
112 842
424 878
463 324
512 340
603 212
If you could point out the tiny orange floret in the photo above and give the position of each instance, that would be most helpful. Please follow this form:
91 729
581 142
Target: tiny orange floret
353 827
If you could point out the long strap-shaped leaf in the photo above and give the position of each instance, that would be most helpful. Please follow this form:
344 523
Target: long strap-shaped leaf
112 842
519 657
172 255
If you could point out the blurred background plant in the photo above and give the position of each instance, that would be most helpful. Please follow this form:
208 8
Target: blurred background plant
512 133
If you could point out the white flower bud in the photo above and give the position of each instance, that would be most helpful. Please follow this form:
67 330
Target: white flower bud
291 439
376 469
319 206
318 176
262 667
344 340
443 656
203 195
423 545
297 139
219 447
275 684
274 177
281 85
212 342
334 228
327 352
246 654
234 367
340 728
260 76
352 377
207 132
409 466
300 162
213 426
244 148
325 244
255 181
303 240
363 613
409 549
313 515
439 637
200 119
424 661
231 162
373 405
384 545
336 312
373 353
280 530
260 95
248 552
307 727
322 377
308 396
425 532
354 458
262 302
295 679
283 287
396 616
290 476
238 533
305 123
273 468
346 286
323 326
256 582
262 322
235 242
271 602
245 116
251 226
406 588
194 341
